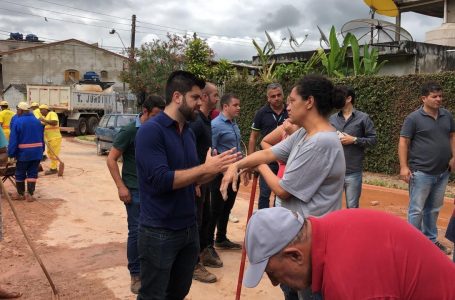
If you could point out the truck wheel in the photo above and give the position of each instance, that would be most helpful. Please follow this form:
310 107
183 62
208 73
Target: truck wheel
92 123
81 128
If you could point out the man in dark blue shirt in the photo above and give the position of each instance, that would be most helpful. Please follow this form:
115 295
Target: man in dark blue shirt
167 169
269 117
225 136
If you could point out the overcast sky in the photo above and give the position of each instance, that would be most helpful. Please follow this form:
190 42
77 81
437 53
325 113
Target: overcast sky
228 26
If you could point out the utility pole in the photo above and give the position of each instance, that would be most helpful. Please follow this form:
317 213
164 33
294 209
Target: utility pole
133 36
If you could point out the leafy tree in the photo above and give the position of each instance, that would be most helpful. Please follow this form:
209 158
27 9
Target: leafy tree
155 61
222 72
198 55
335 62
264 54
298 69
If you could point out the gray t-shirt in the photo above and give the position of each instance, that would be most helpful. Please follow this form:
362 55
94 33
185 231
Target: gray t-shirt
430 149
314 174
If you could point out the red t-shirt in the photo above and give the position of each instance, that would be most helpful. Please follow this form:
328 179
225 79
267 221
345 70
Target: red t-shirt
366 254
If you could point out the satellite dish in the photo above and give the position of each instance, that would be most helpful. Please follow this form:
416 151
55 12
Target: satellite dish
293 41
375 31
323 38
382 7
270 41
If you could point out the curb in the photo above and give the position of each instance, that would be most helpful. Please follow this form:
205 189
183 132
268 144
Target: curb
75 139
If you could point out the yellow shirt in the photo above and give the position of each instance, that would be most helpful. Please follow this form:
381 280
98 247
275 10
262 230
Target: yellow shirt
5 118
37 113
52 132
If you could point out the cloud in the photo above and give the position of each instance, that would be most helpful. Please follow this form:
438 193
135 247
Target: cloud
285 16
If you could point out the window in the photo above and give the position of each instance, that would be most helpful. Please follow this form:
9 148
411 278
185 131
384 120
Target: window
71 76
104 75
103 121
125 119
111 122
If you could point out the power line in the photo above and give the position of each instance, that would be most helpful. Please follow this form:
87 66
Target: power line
63 13
61 20
85 10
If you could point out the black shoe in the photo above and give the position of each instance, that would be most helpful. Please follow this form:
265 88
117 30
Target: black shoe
443 248
51 171
210 258
228 245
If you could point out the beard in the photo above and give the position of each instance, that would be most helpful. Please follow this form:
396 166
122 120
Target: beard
187 112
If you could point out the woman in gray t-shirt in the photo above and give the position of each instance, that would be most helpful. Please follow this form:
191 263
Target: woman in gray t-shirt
312 183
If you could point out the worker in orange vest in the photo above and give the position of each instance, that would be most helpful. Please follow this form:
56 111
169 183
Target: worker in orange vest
52 136
6 115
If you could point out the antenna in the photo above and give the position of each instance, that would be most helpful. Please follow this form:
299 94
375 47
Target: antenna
323 38
269 40
293 41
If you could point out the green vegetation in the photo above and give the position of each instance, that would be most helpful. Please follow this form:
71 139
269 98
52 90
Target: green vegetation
387 99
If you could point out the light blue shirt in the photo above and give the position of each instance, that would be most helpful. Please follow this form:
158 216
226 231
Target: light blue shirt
225 134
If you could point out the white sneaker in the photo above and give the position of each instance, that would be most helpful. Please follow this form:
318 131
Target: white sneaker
233 219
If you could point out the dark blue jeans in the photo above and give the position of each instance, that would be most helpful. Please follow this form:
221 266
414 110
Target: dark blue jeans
264 190
132 210
168 258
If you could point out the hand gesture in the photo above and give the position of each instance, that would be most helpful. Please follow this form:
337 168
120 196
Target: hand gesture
230 176
220 162
197 189
405 174
124 194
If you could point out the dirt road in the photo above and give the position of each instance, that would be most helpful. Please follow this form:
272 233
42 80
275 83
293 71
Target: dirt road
79 228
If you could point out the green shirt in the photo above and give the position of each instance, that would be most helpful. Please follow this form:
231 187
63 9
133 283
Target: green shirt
124 141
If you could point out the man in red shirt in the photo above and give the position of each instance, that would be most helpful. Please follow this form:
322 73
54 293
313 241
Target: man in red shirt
347 254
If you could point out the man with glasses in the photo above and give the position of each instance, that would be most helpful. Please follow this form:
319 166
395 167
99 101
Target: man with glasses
269 117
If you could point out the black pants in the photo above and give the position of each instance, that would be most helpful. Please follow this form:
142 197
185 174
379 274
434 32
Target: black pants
220 211
203 215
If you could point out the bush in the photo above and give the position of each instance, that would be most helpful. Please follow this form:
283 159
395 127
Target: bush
387 99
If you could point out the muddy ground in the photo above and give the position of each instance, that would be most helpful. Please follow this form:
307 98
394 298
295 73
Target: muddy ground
78 226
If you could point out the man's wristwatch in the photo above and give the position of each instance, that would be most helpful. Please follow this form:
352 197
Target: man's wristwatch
355 140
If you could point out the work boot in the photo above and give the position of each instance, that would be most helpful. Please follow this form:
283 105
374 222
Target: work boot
227 245
51 171
20 187
31 187
443 248
29 197
201 274
210 258
135 284
18 197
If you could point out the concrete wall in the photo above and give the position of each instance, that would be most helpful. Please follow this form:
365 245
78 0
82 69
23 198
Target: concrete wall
13 96
8 45
47 65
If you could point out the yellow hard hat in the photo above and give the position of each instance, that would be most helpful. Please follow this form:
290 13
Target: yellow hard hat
23 106
44 106
34 104
3 103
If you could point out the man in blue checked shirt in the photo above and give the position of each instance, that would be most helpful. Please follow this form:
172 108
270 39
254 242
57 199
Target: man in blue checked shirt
225 136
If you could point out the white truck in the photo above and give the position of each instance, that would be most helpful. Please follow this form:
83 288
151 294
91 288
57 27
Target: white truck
78 106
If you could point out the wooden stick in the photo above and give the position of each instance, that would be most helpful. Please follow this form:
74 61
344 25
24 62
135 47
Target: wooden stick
29 242
242 261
